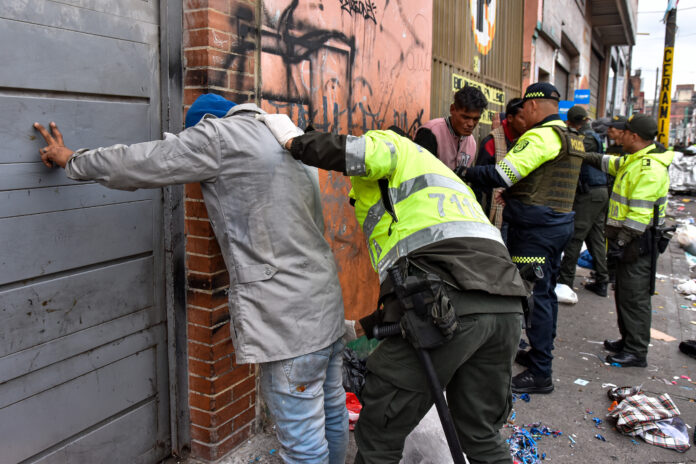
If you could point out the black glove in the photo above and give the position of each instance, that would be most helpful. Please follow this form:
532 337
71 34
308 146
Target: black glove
460 171
616 249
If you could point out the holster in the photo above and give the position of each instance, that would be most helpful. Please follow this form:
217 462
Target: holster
531 273
428 318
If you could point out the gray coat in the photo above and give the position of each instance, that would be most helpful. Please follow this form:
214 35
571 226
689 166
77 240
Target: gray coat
265 208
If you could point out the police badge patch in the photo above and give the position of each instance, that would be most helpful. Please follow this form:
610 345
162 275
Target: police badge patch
520 146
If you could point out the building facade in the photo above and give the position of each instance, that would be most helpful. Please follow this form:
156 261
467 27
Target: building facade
581 44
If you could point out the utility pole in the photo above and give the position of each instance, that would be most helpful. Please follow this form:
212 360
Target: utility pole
666 86
657 85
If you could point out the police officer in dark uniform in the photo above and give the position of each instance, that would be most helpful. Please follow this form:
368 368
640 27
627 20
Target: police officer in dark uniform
540 174
591 203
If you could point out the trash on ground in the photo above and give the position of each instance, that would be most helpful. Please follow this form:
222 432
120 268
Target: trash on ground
686 237
523 396
657 335
523 442
566 295
427 442
688 287
688 347
655 420
585 260
353 405
581 382
599 437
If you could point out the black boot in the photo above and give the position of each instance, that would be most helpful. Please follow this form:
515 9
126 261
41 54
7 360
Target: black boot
522 358
614 345
600 288
625 359
526 382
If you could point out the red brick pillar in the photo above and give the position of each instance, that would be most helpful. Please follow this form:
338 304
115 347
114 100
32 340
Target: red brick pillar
222 394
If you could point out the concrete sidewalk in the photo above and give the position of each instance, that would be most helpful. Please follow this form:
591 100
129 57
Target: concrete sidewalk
579 354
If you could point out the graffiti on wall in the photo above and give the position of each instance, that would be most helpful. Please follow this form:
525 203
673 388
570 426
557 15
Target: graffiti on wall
341 66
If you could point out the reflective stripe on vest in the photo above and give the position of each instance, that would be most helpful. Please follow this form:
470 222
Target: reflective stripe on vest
355 156
508 172
436 233
633 203
605 163
377 211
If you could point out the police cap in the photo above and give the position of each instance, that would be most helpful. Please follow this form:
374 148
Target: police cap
643 125
618 122
542 90
577 114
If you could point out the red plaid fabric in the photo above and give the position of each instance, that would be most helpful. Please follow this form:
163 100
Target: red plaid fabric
637 415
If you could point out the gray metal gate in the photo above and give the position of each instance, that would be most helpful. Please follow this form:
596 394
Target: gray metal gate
84 363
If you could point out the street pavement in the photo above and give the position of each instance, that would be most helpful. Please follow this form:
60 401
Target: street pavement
579 356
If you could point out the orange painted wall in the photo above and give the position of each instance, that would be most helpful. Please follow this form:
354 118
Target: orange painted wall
347 66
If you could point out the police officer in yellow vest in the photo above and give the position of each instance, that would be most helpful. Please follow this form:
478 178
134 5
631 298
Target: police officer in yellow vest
424 212
642 182
541 175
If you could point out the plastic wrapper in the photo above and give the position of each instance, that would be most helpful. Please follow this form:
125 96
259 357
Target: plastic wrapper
427 444
565 294
354 370
682 173
686 237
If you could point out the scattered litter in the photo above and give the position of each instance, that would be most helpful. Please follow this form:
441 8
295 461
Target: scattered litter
599 437
566 295
657 335
523 447
684 306
616 365
524 397
613 405
588 411
655 420
685 377
634 441
353 405
595 342
605 385
581 382
597 422
688 287
571 440
273 451
686 237
693 322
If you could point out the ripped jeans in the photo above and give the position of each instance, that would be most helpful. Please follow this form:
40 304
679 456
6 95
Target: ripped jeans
305 396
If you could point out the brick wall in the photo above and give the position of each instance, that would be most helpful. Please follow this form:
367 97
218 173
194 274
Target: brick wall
222 394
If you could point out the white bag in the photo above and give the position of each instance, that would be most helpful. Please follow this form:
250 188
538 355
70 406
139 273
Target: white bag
565 294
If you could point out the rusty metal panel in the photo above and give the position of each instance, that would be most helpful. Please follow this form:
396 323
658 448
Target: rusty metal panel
477 45
347 67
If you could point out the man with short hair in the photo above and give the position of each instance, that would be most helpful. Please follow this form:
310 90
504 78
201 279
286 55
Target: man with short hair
615 132
642 183
493 148
540 175
285 300
451 139
590 206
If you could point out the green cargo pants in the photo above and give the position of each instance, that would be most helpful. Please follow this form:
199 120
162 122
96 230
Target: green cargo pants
590 216
475 368
633 307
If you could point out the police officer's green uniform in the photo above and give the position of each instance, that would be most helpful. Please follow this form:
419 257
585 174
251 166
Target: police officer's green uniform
426 213
641 182
590 206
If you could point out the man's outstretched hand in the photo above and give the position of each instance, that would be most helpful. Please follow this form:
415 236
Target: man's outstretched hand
56 153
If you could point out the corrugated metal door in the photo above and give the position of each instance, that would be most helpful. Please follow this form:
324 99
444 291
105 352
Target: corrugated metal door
455 53
83 355
595 61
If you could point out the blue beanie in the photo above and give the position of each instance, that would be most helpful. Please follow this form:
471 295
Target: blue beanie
208 103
